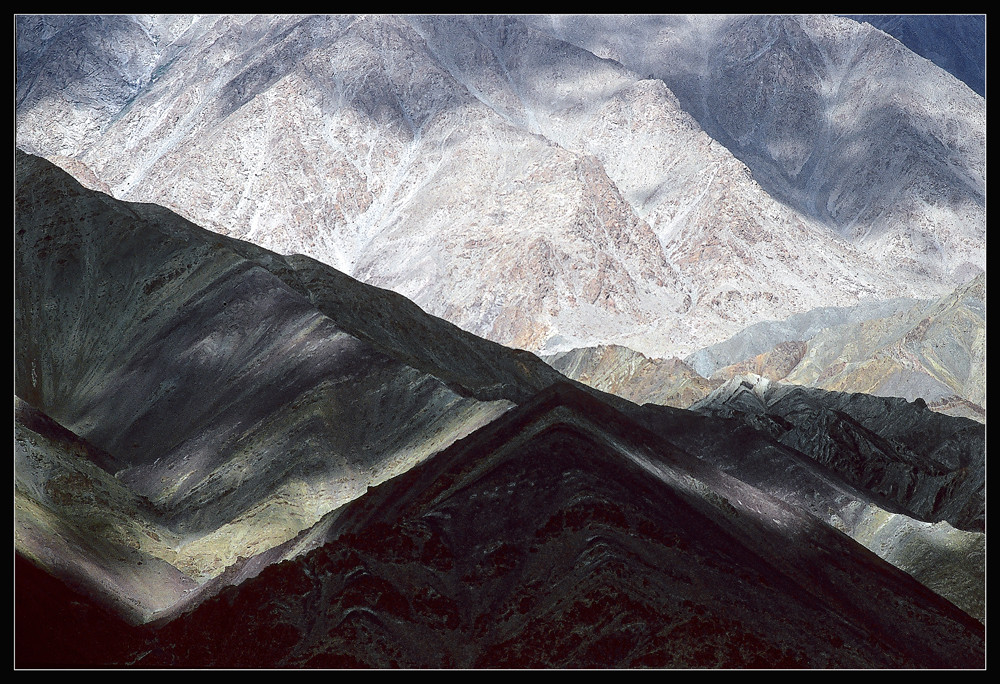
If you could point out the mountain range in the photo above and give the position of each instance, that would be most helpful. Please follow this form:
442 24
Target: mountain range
199 452
531 179
499 341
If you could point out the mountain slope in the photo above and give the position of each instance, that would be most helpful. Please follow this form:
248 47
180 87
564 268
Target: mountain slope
936 352
933 350
423 571
104 290
956 43
627 373
194 367
82 525
834 118
504 179
930 464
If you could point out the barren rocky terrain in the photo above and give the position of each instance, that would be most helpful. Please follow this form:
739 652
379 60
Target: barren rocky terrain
462 341
527 179
456 567
932 350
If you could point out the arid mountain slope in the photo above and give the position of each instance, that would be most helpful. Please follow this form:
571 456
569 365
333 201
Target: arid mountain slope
955 42
932 350
936 352
629 374
931 465
79 523
502 178
425 570
144 342
834 118
191 363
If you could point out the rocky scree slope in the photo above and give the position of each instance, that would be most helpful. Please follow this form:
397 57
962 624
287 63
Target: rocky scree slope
906 482
627 373
196 401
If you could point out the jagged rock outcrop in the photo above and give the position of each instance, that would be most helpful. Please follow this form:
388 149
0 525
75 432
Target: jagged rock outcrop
930 464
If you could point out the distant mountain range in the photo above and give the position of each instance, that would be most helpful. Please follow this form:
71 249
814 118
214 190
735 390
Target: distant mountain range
933 350
537 181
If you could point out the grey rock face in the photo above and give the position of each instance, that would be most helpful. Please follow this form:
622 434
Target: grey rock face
931 465
515 184
833 117
893 475
935 351
931 350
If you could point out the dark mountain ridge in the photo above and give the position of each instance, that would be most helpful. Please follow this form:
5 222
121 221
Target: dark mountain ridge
549 525
562 513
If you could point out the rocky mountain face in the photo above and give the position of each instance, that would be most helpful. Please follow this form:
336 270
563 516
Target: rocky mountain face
275 398
593 507
422 571
925 470
522 177
956 43
229 457
931 350
936 352
901 450
834 118
761 337
182 358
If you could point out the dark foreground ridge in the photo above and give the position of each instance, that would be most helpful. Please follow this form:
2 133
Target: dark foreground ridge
573 530
565 535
